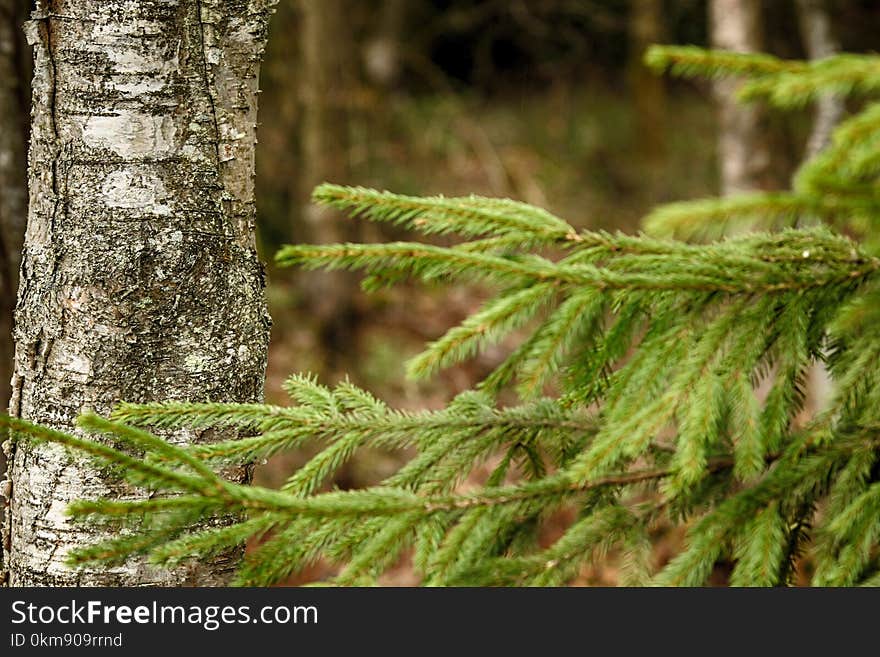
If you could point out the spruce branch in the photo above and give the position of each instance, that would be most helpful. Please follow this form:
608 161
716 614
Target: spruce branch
715 218
841 75
692 61
472 216
734 266
377 501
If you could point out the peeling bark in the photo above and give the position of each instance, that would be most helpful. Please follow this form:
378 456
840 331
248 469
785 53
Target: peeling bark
139 279
743 155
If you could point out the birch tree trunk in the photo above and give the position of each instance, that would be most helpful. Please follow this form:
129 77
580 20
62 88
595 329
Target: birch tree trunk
140 279
743 154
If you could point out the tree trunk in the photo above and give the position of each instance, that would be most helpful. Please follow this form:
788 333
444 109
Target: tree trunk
649 89
819 42
327 86
140 280
743 155
383 59
13 181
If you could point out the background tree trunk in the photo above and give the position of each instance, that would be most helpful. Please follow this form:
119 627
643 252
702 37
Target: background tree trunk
13 180
328 80
743 154
383 59
649 89
140 280
819 42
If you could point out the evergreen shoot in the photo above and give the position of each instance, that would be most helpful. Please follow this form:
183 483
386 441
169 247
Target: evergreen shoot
661 382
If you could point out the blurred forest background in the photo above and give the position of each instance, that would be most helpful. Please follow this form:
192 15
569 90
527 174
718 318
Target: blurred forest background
545 101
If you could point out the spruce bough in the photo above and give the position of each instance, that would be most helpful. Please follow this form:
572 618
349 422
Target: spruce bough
660 383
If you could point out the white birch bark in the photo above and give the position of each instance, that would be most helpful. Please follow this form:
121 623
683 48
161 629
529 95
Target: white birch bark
139 280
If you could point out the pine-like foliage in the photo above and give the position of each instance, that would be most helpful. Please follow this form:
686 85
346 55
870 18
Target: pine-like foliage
661 383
